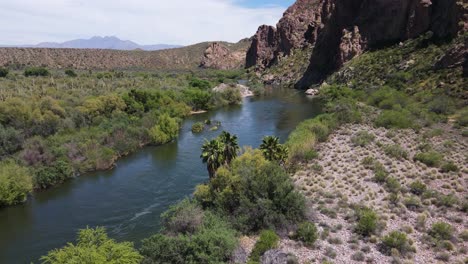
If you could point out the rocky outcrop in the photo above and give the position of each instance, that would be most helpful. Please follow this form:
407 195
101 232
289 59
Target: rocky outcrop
219 56
243 90
275 256
340 30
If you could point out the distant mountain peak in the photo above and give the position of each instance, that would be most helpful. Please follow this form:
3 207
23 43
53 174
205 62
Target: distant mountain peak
102 42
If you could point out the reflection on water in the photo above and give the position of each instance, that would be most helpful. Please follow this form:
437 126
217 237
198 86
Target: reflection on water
129 199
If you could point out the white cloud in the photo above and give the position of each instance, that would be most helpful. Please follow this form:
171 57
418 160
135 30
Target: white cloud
144 21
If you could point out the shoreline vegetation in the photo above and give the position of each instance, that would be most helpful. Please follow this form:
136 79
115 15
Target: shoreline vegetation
58 125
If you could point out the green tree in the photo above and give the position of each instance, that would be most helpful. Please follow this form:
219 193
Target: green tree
231 146
165 130
274 151
15 183
94 247
213 155
36 71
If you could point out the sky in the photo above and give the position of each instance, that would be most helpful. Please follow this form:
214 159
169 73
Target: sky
180 22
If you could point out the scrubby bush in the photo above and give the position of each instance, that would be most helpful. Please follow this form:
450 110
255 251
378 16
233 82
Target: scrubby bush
15 183
412 203
198 127
307 232
362 138
394 119
165 130
462 118
186 217
70 73
395 240
213 242
418 187
253 193
441 231
56 173
367 221
36 71
449 166
268 240
3 72
430 158
395 151
380 173
94 246
393 185
446 200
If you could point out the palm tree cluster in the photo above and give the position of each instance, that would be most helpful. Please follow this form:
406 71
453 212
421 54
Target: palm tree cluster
274 151
219 151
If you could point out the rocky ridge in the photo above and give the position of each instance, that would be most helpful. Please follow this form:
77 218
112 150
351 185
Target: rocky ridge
337 31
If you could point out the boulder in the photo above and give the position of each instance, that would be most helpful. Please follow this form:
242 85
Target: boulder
275 256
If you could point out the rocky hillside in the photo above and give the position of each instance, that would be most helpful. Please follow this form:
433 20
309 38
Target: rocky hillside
336 31
218 55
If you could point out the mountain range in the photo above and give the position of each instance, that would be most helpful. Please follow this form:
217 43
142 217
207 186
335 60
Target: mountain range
97 42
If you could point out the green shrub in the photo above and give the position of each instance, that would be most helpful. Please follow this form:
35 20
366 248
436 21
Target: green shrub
395 151
94 246
307 232
380 173
431 158
213 242
395 240
165 130
412 203
393 185
418 187
186 217
449 167
394 119
367 221
70 73
368 162
268 240
15 183
36 71
3 72
462 118
48 176
446 200
441 231
362 138
198 127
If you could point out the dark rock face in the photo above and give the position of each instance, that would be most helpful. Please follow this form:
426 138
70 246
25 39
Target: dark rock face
340 30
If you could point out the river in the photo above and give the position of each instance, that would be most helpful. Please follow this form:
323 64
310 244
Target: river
129 199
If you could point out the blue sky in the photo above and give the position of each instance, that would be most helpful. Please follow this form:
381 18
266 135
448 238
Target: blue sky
181 22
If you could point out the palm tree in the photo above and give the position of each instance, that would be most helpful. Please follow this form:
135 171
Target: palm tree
272 150
231 146
213 155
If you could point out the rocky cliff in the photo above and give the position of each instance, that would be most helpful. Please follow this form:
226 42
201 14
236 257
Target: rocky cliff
337 30
225 56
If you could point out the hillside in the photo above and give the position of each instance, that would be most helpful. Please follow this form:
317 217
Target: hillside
188 57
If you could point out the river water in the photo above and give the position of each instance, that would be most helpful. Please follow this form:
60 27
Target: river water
129 199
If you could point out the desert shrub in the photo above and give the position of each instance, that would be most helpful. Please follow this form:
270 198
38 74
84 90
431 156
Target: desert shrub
307 232
441 231
412 203
442 104
10 140
380 173
368 162
3 72
393 185
198 127
345 110
198 99
430 158
446 200
362 138
395 240
213 242
36 71
94 246
253 193
464 235
449 166
388 98
15 183
268 240
186 217
394 119
417 187
462 118
367 221
395 151
70 73
201 84
58 172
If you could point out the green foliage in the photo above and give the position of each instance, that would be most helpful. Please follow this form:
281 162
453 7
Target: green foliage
186 217
449 166
395 151
268 240
201 84
274 151
70 73
441 231
219 151
362 138
198 127
165 130
430 158
253 193
36 71
3 72
15 183
94 247
213 242
395 240
417 187
462 118
307 232
380 173
367 221
59 171
394 119
446 200
393 185
199 99
10 140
